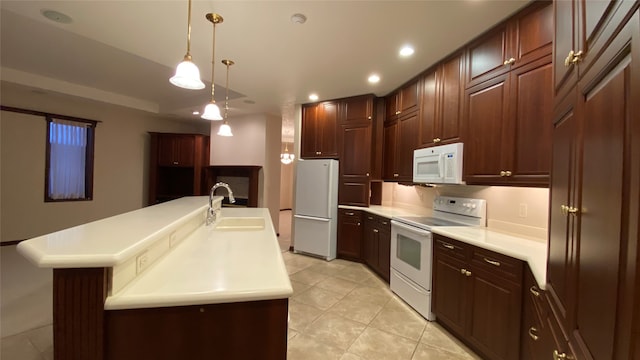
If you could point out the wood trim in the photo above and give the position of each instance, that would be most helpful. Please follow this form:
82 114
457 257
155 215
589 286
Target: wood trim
45 114
11 242
78 313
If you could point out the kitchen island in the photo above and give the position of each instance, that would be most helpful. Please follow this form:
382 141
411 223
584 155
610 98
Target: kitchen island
156 283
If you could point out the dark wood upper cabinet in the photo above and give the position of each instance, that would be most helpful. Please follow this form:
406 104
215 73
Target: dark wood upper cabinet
401 138
176 165
403 101
593 262
582 30
318 131
359 108
520 40
390 147
441 109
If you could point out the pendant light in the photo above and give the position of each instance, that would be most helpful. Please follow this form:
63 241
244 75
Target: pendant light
225 129
187 75
285 157
212 111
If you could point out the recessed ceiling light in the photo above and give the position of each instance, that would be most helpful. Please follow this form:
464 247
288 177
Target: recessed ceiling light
313 97
374 79
406 51
56 16
196 112
298 19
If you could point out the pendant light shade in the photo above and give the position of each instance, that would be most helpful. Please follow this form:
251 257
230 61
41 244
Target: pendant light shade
187 74
212 111
225 130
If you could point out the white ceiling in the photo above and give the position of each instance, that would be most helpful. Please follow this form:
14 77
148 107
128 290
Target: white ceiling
124 52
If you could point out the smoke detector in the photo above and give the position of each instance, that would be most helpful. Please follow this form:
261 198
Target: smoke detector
298 19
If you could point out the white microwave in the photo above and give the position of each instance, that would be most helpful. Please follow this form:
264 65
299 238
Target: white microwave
438 164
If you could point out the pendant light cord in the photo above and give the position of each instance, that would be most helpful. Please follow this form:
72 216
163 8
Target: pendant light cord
226 98
213 63
189 32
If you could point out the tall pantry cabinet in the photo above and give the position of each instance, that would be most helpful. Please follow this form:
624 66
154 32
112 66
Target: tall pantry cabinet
592 269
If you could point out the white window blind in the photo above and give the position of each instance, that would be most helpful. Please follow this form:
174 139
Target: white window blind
67 159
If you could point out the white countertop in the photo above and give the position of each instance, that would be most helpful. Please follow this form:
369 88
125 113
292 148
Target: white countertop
213 266
384 211
533 252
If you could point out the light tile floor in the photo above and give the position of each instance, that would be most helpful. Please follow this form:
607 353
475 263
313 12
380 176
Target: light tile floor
339 310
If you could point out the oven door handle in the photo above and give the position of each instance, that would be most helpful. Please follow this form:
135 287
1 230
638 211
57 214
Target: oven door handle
410 228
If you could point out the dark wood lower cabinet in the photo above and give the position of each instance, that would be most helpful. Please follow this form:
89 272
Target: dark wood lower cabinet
244 330
479 304
376 244
349 234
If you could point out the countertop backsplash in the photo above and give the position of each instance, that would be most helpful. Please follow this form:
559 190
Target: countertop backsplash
514 210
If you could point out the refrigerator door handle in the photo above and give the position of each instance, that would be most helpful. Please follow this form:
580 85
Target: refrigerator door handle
311 218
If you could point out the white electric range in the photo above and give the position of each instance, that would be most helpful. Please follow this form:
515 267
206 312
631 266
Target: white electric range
412 247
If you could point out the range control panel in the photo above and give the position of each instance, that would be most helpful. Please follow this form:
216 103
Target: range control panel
461 206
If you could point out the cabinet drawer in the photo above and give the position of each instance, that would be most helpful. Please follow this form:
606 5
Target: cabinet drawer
449 247
498 264
355 214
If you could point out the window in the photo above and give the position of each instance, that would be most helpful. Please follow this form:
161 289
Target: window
69 167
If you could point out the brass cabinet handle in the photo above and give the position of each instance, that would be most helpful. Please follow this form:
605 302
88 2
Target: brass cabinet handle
397 112
559 356
532 331
573 211
437 140
507 173
511 61
384 223
349 213
503 173
370 217
448 246
375 230
175 163
568 61
395 175
563 209
534 291
367 174
467 273
369 117
492 262
358 224
577 57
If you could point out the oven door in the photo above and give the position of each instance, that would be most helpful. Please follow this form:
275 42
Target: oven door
411 253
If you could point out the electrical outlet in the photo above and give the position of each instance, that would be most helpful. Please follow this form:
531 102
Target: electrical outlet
142 261
522 210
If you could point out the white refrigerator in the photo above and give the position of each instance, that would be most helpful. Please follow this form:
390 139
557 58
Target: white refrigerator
315 212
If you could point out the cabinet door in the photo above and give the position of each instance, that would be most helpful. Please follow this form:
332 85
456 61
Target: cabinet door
167 151
450 297
450 98
486 56
563 189
408 136
409 96
530 114
486 114
565 41
532 34
355 164
384 249
608 106
389 166
391 106
494 324
185 150
176 150
370 242
428 128
328 122
349 234
357 109
309 131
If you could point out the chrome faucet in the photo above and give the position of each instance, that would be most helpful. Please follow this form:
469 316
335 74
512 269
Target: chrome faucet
211 215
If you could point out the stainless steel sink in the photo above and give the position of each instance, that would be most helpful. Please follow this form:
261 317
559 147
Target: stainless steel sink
239 223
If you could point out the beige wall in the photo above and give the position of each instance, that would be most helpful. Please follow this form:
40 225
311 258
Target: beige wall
286 186
503 204
255 141
120 185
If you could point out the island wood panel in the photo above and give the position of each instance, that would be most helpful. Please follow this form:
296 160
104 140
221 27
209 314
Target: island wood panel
240 331
78 313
